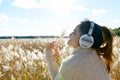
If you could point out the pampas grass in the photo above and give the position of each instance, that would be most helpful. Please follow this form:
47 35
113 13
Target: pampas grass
23 59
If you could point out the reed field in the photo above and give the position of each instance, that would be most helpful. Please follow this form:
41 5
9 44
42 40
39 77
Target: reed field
24 59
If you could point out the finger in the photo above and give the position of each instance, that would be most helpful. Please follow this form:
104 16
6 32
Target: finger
51 45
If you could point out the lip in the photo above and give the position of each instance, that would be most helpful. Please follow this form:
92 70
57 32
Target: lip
69 40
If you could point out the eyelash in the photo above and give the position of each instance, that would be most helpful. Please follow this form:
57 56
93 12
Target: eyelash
73 32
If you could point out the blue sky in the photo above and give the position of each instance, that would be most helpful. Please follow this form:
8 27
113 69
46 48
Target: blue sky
51 17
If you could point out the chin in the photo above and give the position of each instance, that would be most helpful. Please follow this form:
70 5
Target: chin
69 42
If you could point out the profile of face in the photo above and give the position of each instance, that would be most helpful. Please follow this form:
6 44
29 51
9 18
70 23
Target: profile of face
74 37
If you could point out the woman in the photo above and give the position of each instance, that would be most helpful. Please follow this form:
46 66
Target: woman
91 58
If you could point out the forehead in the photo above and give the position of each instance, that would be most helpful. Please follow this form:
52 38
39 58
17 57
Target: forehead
77 28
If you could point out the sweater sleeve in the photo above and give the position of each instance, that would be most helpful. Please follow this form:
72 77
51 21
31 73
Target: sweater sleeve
52 64
67 70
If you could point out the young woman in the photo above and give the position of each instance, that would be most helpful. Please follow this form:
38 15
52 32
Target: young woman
91 58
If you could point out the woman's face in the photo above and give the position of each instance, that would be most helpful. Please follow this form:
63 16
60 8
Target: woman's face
74 37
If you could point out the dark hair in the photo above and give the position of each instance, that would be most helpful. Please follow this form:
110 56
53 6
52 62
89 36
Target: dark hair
102 36
107 47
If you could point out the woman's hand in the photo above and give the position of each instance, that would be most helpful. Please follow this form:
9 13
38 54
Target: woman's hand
54 48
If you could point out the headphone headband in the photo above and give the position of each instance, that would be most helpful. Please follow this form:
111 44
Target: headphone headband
91 28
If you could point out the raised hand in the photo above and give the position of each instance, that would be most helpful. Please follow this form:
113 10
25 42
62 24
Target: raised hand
53 46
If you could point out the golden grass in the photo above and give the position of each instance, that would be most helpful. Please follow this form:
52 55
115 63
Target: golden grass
23 59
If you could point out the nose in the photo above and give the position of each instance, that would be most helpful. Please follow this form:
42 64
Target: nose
70 34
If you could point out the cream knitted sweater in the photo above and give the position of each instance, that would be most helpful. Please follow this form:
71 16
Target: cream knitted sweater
83 64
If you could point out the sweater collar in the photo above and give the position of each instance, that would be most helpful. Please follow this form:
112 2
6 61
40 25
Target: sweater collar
81 50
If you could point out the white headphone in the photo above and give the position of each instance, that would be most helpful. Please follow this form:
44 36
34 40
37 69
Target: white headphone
87 40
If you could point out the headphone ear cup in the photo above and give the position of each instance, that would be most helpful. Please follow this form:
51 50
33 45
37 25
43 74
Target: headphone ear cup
86 41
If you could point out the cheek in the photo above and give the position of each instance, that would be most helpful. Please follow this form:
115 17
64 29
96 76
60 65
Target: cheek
76 41
73 42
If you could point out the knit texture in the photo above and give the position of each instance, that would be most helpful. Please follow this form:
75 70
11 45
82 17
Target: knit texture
83 64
